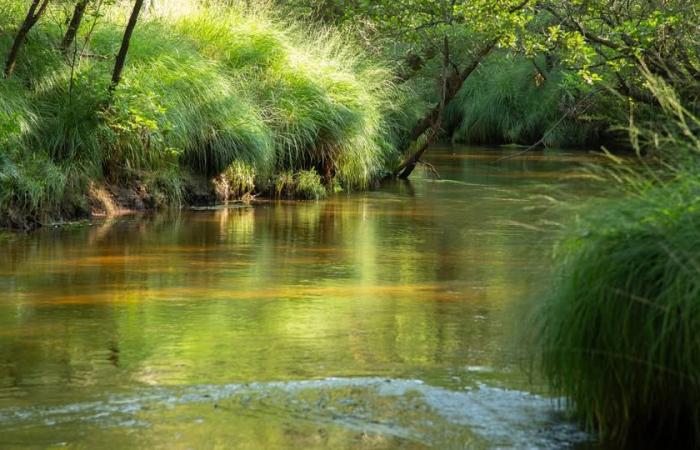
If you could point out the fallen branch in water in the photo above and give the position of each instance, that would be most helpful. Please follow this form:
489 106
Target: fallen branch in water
431 168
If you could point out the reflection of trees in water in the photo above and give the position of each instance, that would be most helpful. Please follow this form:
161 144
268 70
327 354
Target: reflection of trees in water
353 285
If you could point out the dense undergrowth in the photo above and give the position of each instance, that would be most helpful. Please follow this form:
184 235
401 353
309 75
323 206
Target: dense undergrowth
203 89
515 100
618 334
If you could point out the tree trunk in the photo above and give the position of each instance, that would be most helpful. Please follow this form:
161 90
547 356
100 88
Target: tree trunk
124 49
35 11
432 121
74 25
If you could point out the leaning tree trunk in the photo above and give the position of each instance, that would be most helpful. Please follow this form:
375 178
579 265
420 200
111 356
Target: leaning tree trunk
431 123
124 49
35 12
74 25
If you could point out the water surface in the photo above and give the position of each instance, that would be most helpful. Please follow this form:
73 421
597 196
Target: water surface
370 320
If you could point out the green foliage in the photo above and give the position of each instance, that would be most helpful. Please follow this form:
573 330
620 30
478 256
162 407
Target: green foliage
619 332
36 190
17 116
660 35
304 184
510 101
239 179
595 46
320 98
309 185
204 87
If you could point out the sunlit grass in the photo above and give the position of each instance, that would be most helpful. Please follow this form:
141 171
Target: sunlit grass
203 88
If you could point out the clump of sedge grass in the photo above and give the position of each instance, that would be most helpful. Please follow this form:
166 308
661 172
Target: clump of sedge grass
619 332
512 99
309 185
37 191
304 184
237 182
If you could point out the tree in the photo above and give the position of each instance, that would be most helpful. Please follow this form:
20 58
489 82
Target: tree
430 125
617 41
124 49
36 10
479 25
74 25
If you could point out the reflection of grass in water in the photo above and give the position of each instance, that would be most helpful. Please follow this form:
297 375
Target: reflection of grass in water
238 224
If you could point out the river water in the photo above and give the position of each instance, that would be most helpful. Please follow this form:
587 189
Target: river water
375 320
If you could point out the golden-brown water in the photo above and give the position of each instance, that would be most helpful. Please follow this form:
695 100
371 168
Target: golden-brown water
370 320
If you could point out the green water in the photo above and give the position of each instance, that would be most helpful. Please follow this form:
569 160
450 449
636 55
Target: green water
371 320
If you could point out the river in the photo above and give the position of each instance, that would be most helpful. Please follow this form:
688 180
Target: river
383 319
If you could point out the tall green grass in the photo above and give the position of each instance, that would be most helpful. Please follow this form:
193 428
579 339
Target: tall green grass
618 334
204 88
508 100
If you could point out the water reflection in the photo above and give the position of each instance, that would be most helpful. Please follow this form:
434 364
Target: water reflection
413 281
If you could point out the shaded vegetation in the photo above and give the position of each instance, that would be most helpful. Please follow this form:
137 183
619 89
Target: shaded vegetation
513 99
618 334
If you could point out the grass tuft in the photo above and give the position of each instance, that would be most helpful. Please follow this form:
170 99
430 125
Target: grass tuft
305 185
204 87
619 332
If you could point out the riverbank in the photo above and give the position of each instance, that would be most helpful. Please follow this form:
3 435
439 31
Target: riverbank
617 331
206 94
